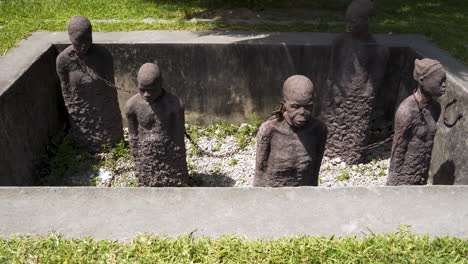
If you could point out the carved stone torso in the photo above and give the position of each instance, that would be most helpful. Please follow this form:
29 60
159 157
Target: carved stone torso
356 71
157 140
289 157
92 105
412 145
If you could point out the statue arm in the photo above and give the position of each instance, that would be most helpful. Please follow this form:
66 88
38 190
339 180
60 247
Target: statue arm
403 130
263 151
62 73
322 139
179 125
132 126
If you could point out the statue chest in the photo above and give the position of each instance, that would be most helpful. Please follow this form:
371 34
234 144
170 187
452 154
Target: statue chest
291 151
155 119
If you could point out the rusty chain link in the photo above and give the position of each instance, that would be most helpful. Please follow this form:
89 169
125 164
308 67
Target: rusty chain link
94 75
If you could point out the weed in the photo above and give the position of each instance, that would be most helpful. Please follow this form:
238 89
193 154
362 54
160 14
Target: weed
111 155
217 147
63 160
343 176
233 162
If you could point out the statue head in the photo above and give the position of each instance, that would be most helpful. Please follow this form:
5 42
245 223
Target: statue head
149 82
298 92
431 77
358 16
80 33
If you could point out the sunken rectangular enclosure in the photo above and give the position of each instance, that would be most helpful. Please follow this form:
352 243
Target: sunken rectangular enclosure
221 76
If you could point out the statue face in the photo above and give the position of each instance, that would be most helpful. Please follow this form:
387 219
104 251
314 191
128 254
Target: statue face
435 83
357 24
150 91
298 110
81 40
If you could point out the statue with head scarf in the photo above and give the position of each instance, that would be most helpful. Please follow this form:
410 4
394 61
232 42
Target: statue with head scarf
416 125
92 104
357 68
156 127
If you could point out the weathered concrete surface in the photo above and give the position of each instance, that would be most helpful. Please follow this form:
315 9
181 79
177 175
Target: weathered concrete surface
224 82
122 213
449 163
31 113
220 82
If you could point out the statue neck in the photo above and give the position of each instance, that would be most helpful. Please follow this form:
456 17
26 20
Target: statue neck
421 96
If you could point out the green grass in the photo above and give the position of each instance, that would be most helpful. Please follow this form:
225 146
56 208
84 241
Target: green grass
402 247
445 22
62 160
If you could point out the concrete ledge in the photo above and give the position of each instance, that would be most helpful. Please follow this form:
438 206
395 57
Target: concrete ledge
122 213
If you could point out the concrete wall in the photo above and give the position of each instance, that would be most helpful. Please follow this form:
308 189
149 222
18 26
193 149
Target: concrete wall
449 164
123 213
220 76
31 113
231 82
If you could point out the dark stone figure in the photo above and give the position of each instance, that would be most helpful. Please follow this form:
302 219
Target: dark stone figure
357 68
92 104
290 145
415 126
156 126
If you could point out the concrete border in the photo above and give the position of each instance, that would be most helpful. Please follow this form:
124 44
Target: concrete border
123 213
32 47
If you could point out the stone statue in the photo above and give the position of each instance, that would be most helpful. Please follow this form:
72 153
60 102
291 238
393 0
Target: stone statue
415 126
290 145
357 68
156 126
92 103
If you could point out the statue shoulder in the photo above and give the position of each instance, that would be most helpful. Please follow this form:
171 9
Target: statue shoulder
407 110
267 127
65 57
132 103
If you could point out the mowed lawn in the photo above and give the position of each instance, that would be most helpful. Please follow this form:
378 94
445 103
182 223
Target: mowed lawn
401 247
445 22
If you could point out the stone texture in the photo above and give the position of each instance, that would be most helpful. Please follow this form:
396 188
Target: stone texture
92 104
123 213
290 145
416 125
156 130
357 69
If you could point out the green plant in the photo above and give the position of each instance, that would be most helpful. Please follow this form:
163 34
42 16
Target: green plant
112 154
217 147
233 162
343 176
64 159
399 247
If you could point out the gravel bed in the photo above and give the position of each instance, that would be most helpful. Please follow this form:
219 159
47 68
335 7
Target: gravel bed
238 170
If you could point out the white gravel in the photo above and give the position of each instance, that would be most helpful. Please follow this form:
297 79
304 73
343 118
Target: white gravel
238 173
238 170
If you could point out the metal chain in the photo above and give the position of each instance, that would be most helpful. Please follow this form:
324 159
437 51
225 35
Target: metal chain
94 75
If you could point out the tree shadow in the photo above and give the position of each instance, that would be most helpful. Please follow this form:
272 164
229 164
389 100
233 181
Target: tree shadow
197 179
445 175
